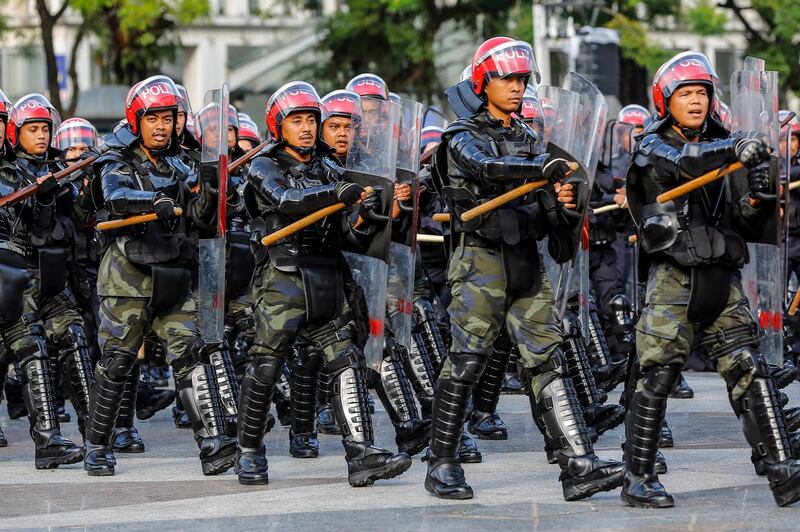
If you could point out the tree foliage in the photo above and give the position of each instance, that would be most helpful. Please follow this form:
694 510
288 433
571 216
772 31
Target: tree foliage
137 35
396 38
773 35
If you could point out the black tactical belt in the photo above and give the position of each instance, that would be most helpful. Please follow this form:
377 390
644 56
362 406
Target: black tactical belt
473 240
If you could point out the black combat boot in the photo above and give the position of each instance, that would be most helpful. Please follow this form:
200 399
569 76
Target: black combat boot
445 476
582 472
394 390
255 398
665 439
52 449
199 393
682 390
641 487
126 438
366 462
303 441
468 452
484 421
150 400
764 428
104 403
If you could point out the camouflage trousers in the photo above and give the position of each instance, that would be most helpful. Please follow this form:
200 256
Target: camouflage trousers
241 315
480 308
280 316
664 334
52 317
124 321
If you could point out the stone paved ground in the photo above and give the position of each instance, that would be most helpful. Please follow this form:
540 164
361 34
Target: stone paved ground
710 476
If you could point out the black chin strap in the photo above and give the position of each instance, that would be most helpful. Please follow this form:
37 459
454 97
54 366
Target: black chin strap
301 150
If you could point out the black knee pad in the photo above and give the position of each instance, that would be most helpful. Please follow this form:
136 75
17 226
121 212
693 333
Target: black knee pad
120 365
350 357
75 336
37 350
467 367
750 361
660 380
266 369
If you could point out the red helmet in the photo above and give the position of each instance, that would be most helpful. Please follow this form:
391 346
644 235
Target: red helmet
76 131
191 126
794 124
634 115
5 107
500 57
344 103
531 108
248 130
292 97
31 108
369 86
183 100
156 93
233 117
686 68
209 113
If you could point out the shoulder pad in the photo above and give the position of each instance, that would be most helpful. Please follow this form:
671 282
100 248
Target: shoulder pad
120 139
179 165
112 155
260 167
648 144
462 124
332 166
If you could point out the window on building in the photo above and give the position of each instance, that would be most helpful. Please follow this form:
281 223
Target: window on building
22 71
726 63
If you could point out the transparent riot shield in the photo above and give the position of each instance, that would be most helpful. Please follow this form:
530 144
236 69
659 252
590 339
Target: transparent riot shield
400 291
754 107
576 134
372 162
211 268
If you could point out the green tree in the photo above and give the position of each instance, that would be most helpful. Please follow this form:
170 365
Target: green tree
395 38
135 36
772 35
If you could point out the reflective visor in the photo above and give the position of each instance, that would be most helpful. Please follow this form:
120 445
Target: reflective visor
512 58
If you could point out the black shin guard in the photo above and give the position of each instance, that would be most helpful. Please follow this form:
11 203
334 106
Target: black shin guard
484 422
641 487
199 393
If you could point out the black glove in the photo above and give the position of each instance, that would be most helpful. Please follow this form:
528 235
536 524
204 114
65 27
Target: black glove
758 179
47 187
751 152
209 174
348 193
555 170
164 206
370 203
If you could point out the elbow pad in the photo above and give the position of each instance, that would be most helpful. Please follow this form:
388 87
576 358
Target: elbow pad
697 158
301 201
128 200
496 170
